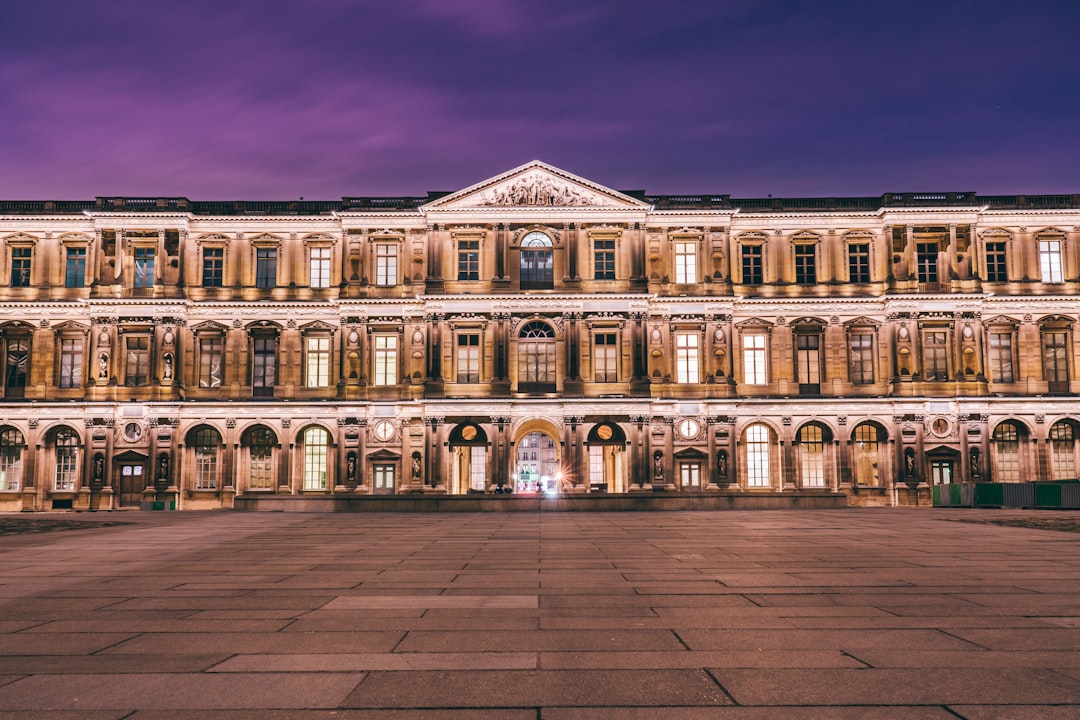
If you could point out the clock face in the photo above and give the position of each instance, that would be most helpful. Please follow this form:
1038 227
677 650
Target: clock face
384 430
132 431
689 428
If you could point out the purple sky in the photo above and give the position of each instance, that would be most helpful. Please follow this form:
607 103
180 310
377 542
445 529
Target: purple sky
274 100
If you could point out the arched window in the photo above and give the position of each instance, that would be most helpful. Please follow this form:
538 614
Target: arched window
536 358
866 455
316 452
537 264
757 456
1062 451
207 447
812 456
1006 453
67 460
260 444
11 451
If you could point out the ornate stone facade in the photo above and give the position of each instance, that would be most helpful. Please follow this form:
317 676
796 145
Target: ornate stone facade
536 332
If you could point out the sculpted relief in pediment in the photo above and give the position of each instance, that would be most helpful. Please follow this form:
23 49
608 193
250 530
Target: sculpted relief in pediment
539 189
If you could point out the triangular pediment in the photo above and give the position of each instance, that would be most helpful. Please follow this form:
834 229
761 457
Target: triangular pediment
536 184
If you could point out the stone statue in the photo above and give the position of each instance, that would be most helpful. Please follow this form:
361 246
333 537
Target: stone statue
103 365
721 464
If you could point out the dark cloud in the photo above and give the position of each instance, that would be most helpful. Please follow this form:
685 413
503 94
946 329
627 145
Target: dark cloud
277 99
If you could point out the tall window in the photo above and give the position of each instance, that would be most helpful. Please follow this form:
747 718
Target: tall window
75 267
1001 357
1049 261
812 456
261 456
757 456
67 460
318 361
604 259
1007 452
17 366
752 266
384 477
687 357
320 267
386 360
71 361
316 451
144 267
1062 452
861 350
265 268
808 362
935 355
1055 360
20 266
477 467
996 269
263 366
137 368
754 371
537 262
213 266
386 264
605 357
685 262
536 357
207 446
596 466
859 262
468 357
927 256
690 475
210 366
11 452
866 455
468 260
805 264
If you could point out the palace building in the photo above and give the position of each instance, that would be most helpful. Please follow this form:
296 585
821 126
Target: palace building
534 333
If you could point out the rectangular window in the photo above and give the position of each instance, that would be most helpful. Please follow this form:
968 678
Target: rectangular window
685 262
210 362
752 273
604 259
137 369
67 467
1001 357
213 266
71 362
805 264
468 260
935 355
20 266
859 263
206 468
75 268
385 360
468 357
1049 261
927 262
596 467
686 357
263 366
1055 360
386 264
477 468
318 362
18 367
384 477
144 267
10 462
605 357
266 268
996 270
320 267
690 475
808 363
754 371
861 348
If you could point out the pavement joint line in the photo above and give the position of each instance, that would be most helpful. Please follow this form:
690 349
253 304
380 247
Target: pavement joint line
712 676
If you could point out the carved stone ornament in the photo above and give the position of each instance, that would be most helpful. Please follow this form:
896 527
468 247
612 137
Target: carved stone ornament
538 189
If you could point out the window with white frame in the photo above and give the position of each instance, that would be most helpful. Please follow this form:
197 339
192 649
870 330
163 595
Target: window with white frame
1007 453
936 355
207 445
757 456
317 358
386 359
1062 451
754 367
1001 356
1050 260
11 455
316 452
319 267
71 361
812 456
861 354
605 357
210 361
690 475
468 357
67 460
866 455
477 467
685 262
386 264
687 357
596 465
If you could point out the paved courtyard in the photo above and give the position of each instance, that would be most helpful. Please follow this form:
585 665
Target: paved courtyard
892 613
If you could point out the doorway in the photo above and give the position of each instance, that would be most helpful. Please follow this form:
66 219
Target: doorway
537 467
941 471
132 482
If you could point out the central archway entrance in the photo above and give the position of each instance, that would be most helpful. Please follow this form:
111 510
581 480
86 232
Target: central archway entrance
537 464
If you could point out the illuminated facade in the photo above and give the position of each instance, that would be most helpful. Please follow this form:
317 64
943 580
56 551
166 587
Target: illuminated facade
534 332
